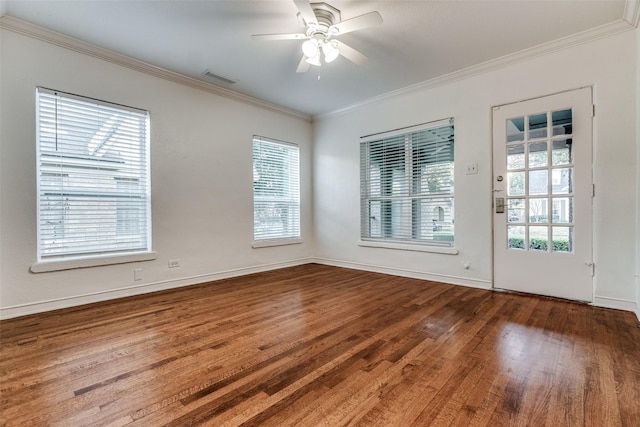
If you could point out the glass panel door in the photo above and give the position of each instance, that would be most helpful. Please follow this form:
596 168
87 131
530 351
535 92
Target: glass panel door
542 221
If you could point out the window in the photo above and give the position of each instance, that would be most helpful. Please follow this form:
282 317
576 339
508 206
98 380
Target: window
276 191
407 186
93 178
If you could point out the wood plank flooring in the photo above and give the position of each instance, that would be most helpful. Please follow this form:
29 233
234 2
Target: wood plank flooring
322 346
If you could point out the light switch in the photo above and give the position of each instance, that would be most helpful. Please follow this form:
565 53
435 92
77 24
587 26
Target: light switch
471 169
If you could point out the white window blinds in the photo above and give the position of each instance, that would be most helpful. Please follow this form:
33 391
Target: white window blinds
276 190
407 185
93 177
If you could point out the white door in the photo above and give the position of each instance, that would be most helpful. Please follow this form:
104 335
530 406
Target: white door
542 220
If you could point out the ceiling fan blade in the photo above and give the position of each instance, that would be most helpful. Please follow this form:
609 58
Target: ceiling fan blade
298 36
351 54
303 66
309 16
359 22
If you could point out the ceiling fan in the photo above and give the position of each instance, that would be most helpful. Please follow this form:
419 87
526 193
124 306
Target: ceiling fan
322 26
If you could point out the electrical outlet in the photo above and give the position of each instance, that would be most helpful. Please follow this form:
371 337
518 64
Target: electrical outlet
137 274
471 168
173 263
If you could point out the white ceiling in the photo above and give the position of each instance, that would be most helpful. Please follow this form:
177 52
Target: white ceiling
418 40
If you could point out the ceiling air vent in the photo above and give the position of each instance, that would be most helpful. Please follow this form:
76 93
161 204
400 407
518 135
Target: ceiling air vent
218 77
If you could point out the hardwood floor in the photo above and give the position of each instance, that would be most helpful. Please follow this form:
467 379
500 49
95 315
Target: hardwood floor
316 345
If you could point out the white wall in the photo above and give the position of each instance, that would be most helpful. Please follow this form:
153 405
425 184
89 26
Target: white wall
201 172
608 64
638 172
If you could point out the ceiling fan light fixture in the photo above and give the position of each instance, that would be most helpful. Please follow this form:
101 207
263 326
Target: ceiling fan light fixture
331 51
315 60
310 48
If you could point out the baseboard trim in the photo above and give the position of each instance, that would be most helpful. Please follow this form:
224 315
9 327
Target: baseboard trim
126 291
618 304
435 277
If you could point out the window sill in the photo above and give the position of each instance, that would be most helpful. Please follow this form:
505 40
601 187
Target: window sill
275 242
409 247
73 263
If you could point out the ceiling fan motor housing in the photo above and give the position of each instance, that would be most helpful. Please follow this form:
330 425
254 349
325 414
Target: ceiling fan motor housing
326 16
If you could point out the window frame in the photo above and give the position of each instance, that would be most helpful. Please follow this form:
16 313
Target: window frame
410 200
262 238
74 162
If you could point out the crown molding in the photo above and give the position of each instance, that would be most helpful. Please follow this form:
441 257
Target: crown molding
632 12
28 29
583 37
